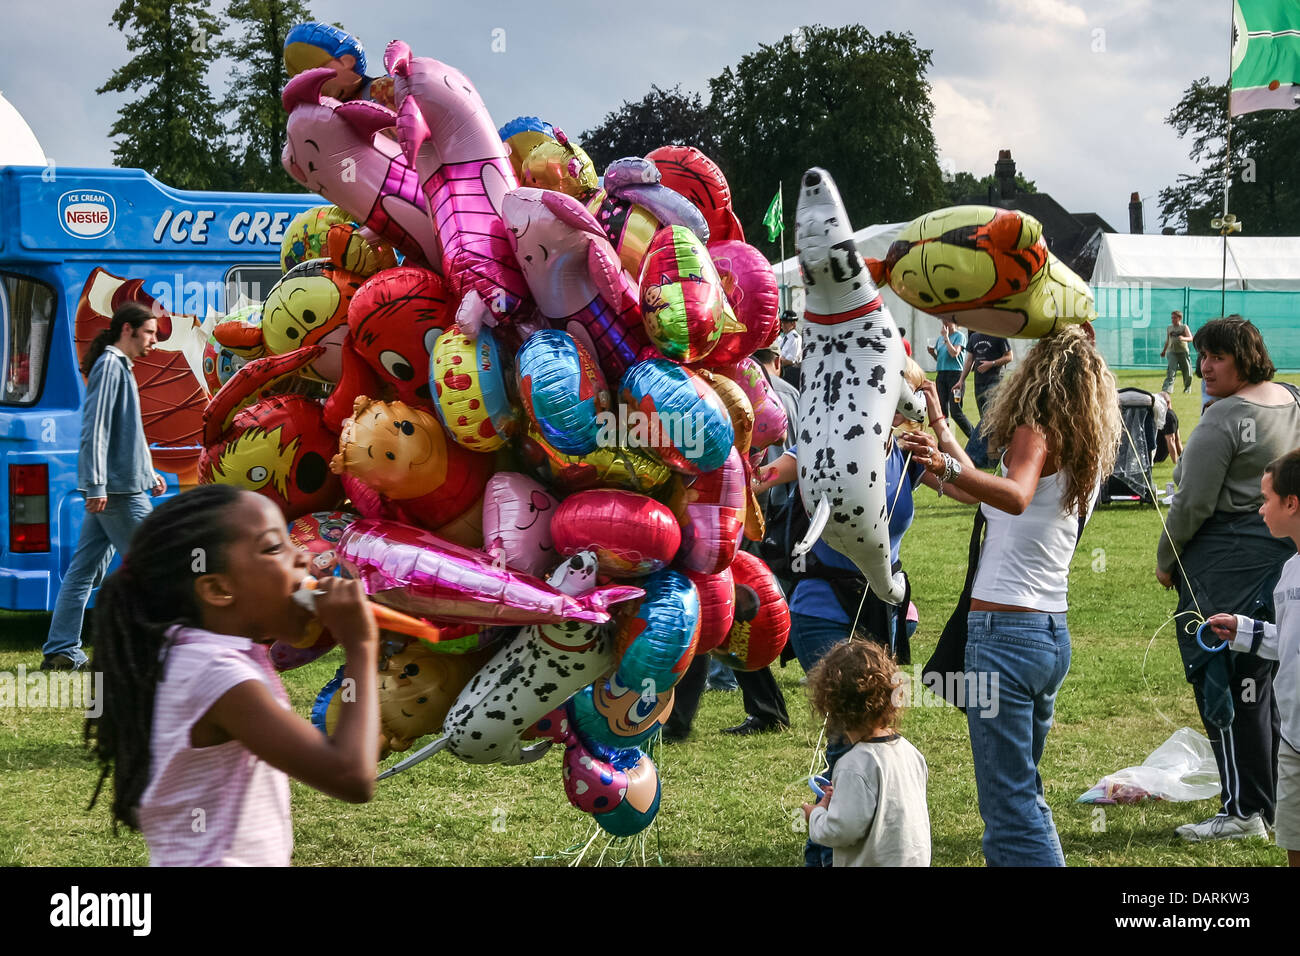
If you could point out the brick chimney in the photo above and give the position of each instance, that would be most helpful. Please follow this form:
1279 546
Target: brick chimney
1134 214
1005 173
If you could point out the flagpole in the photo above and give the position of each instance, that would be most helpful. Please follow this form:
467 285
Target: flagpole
780 192
1227 165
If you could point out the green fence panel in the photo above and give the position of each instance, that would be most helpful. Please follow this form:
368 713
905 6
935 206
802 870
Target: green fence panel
1131 321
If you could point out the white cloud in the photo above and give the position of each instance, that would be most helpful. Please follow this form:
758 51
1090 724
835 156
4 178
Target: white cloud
1047 11
965 129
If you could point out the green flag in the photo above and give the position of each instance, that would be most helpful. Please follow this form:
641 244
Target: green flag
1265 55
774 217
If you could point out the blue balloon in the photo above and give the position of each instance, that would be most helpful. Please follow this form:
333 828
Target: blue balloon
562 390
680 418
658 641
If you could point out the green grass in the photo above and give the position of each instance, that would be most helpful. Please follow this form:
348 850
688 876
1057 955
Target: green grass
726 801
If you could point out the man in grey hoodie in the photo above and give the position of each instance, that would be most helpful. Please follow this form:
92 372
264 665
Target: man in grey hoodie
114 471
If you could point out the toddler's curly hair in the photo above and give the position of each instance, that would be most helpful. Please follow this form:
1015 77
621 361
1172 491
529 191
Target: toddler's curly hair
856 686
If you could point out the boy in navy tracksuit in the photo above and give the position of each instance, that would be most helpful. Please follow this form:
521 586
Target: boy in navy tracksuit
114 471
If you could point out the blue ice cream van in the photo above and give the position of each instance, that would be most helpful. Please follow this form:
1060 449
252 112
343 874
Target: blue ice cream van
74 245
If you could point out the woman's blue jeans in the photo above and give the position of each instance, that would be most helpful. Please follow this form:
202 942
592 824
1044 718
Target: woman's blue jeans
1015 664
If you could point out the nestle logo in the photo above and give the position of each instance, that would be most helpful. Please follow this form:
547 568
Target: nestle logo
87 214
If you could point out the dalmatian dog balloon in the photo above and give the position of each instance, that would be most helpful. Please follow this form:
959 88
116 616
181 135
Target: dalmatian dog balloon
852 386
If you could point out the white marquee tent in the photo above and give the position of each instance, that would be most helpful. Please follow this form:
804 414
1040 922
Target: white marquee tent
1255 263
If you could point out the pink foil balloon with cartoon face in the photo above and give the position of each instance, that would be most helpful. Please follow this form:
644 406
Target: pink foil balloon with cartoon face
335 149
517 513
448 137
575 276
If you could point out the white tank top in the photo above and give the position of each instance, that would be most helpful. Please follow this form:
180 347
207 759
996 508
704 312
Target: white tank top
1026 558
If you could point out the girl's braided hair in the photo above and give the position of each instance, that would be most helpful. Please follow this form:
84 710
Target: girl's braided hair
183 539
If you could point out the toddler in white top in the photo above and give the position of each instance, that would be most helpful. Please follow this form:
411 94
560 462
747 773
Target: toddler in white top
873 812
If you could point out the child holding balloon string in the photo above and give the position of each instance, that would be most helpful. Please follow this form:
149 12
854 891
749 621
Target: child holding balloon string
874 811
196 729
1279 642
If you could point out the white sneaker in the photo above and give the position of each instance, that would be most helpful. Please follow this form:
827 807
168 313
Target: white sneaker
1223 827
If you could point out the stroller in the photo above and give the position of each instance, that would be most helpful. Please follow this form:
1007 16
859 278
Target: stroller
1131 478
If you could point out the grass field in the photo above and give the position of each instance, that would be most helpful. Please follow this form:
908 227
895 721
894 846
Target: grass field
726 801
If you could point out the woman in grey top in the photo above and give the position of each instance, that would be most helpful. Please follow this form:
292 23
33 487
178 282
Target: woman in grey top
1217 552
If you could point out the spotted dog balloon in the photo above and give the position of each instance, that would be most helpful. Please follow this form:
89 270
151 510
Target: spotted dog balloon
538 671
852 386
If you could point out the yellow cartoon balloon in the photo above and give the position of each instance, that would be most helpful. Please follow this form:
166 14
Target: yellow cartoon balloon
988 268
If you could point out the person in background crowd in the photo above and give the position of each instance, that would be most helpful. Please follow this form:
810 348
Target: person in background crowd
949 354
1169 444
114 471
987 355
789 345
1177 336
1217 552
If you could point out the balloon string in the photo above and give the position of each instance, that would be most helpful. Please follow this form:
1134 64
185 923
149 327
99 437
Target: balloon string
1164 525
1151 693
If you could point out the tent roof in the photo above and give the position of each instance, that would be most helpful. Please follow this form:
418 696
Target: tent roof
1261 263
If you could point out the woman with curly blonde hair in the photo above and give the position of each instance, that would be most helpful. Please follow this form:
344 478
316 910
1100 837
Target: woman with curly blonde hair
1057 419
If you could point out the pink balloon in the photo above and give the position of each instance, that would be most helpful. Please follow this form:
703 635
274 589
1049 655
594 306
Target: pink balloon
333 149
422 574
450 140
517 515
711 510
717 607
752 290
769 413
633 535
576 277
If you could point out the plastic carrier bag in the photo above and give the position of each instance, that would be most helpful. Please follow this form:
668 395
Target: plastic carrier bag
1181 768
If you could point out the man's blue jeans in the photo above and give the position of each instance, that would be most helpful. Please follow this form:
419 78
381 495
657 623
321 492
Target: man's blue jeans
1015 664
102 535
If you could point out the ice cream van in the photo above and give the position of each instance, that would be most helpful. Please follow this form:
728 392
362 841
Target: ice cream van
74 245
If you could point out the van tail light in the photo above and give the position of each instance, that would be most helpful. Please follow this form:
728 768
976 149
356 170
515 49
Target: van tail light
29 509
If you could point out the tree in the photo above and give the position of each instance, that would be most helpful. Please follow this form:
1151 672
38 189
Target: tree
964 188
172 129
1265 193
840 98
660 118
255 85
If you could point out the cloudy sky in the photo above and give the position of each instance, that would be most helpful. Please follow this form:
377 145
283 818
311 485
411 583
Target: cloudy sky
1077 90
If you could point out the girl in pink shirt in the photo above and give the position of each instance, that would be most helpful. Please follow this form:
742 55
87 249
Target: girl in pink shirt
196 728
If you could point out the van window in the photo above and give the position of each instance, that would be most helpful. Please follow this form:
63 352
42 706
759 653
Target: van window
249 283
26 311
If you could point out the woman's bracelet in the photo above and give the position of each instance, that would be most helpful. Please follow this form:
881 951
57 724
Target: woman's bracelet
951 469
